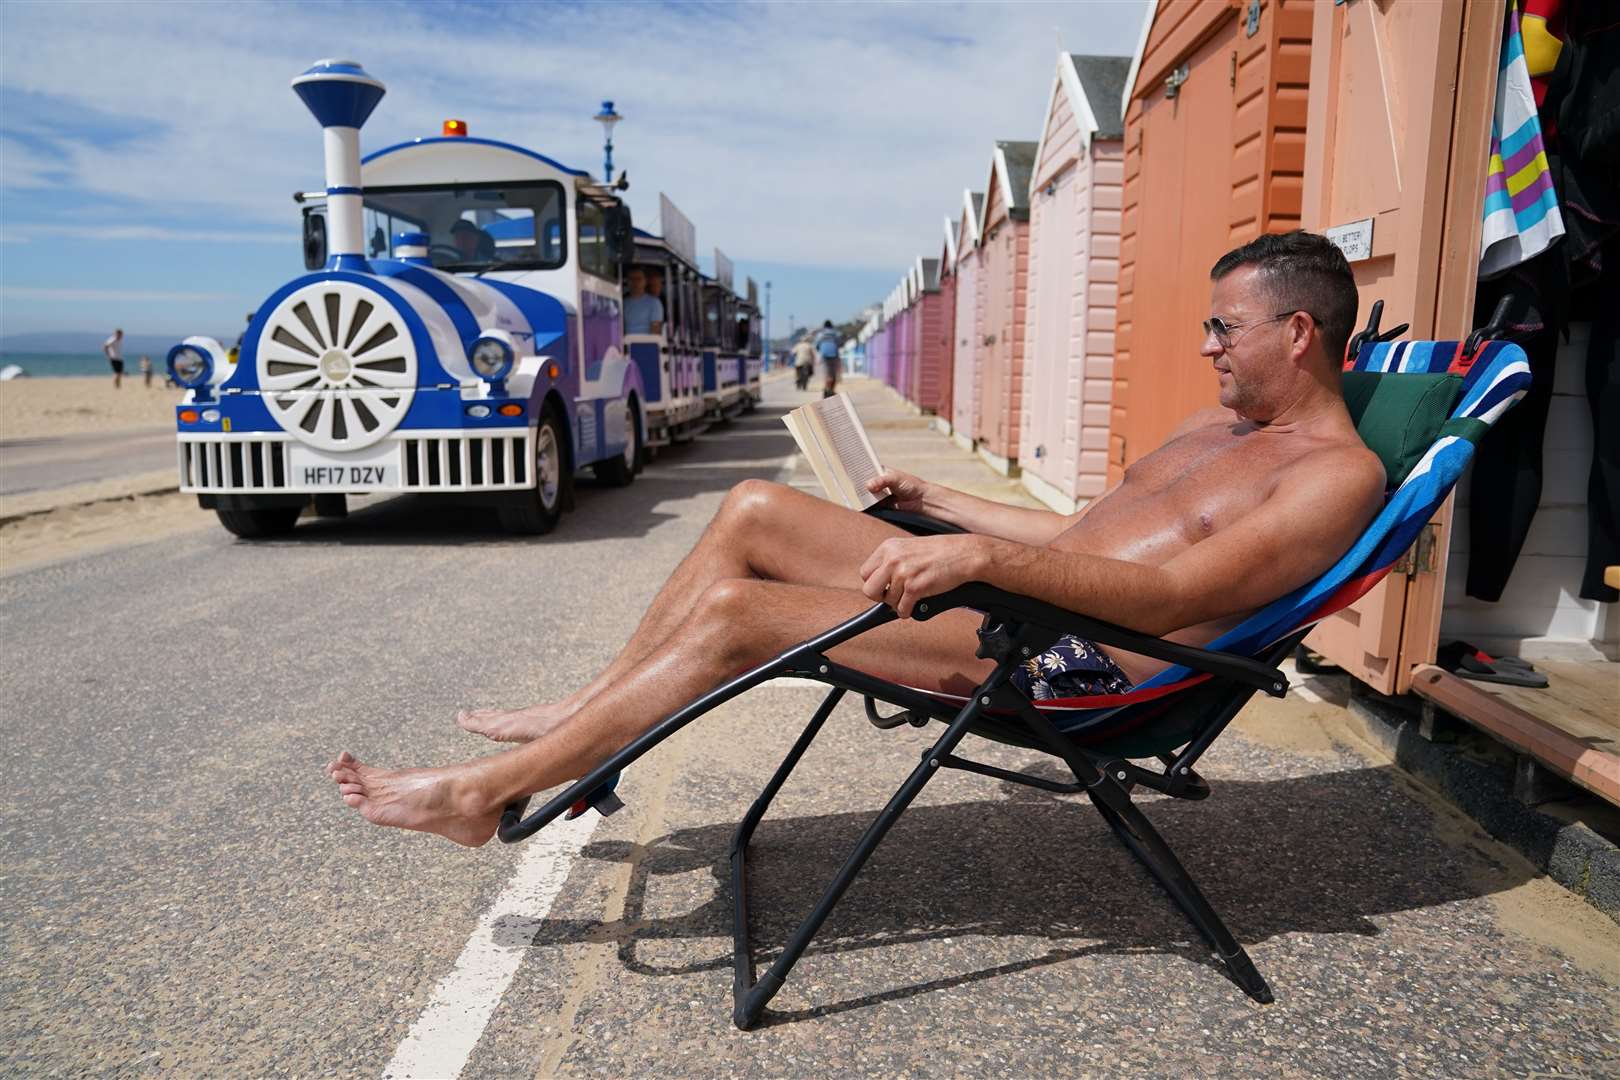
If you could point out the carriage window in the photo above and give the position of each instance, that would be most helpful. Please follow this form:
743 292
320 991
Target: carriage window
595 255
475 226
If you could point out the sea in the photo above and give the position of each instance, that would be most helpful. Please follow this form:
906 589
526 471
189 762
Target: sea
56 365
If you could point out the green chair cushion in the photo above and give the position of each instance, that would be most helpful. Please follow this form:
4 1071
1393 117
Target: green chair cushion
1399 415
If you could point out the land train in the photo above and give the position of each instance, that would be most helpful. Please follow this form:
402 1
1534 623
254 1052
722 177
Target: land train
459 332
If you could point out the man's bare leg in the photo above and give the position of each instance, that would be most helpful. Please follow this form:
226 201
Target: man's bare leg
762 530
736 624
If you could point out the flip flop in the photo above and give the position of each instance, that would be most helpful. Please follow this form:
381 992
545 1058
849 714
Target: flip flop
602 800
1469 662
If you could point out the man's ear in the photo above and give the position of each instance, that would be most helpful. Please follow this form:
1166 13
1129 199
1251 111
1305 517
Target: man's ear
1303 334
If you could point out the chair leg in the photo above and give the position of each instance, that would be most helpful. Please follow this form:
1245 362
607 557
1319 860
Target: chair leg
1143 840
750 998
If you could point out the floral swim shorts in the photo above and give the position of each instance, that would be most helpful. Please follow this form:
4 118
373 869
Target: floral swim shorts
1072 667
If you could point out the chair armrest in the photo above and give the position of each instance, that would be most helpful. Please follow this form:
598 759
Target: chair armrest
1002 604
915 524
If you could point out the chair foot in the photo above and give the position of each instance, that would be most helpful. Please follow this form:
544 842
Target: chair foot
1247 976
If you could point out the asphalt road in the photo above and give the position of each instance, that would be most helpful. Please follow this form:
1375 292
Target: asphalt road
57 461
183 893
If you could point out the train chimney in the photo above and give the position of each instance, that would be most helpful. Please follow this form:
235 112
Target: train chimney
341 96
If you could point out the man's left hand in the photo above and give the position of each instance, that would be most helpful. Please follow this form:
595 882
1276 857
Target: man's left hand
904 570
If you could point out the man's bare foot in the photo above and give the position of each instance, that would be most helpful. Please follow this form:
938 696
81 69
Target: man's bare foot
427 800
514 725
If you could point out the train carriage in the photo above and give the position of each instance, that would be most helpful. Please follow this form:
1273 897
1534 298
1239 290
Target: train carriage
460 332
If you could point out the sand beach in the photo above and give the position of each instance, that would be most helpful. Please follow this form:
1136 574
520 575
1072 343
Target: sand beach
40 408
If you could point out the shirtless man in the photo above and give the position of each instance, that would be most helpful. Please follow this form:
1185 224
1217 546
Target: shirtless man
1241 505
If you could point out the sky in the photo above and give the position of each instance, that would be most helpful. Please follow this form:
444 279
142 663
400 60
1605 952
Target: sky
148 152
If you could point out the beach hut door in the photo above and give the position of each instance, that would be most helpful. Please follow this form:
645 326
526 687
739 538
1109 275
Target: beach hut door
1396 144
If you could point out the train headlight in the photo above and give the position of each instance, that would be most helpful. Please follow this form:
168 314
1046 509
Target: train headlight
189 365
492 356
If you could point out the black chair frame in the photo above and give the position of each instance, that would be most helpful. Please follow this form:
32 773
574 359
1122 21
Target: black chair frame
1014 628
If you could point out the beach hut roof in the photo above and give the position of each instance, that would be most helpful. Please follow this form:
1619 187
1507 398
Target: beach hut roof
1099 82
950 244
930 274
1148 16
972 210
1010 167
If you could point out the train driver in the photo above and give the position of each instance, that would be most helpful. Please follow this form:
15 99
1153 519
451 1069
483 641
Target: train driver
643 312
474 243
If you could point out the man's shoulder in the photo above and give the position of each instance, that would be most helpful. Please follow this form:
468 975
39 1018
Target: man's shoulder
1345 465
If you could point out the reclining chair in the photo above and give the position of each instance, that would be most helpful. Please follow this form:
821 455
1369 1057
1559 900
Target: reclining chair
1422 406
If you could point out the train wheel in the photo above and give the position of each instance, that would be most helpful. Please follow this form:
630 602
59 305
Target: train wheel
619 471
260 524
538 510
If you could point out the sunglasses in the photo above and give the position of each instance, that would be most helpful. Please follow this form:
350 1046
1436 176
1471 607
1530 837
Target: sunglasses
1223 330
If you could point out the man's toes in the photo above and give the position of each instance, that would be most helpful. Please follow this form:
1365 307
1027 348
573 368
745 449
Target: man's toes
349 787
354 801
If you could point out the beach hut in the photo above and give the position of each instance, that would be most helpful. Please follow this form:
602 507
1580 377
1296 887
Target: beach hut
906 334
930 374
936 378
1397 148
1004 247
969 303
1215 111
1074 198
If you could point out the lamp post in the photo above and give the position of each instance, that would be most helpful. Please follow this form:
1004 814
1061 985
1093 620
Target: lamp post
769 352
607 118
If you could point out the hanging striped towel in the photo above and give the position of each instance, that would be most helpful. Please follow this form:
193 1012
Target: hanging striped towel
1521 208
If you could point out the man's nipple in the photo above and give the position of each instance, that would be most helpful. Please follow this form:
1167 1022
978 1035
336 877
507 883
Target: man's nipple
1206 522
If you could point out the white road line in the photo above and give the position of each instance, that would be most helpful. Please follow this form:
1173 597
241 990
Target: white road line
443 1037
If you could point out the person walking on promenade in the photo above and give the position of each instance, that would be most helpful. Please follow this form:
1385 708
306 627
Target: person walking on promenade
804 362
114 348
146 370
1241 505
827 347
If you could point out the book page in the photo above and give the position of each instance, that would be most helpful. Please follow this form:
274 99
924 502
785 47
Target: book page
811 449
834 441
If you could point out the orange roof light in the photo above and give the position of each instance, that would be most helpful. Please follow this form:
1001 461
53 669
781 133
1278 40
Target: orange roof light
455 127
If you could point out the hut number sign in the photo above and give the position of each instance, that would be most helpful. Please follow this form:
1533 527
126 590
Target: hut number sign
1354 239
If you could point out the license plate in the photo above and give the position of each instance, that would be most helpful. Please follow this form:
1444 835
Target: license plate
373 469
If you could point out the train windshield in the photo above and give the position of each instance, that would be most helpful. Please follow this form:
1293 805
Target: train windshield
473 227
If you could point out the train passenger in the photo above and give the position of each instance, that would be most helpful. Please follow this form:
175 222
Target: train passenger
1241 505
643 312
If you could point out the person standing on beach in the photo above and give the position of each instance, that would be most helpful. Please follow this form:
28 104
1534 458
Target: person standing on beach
114 348
146 370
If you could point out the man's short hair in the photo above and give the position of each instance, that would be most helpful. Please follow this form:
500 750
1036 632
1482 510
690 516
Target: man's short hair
1302 271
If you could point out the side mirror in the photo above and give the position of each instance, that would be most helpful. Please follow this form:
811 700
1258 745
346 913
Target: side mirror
314 240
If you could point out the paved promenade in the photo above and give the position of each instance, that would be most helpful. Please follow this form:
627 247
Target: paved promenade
184 895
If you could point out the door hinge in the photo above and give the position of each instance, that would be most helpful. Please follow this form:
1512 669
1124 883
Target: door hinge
1231 76
1420 558
1173 81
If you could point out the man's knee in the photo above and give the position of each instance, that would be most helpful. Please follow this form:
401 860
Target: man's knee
725 616
753 502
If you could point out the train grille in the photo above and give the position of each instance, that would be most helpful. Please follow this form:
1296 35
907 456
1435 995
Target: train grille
447 462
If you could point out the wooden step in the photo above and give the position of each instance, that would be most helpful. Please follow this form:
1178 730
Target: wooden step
1572 727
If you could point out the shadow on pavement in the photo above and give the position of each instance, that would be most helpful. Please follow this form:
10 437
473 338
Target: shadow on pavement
753 446
1314 854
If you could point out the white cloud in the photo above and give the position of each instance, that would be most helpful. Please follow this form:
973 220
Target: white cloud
113 296
26 233
829 134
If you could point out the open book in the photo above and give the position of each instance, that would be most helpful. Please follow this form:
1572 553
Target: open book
832 439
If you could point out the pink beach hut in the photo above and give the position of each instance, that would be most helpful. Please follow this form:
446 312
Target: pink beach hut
965 340
936 393
1004 257
930 373
1074 204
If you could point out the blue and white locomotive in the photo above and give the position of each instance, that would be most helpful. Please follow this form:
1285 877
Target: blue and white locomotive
461 332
